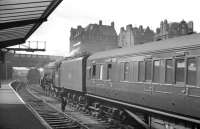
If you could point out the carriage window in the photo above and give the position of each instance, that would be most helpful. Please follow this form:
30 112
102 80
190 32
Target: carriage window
180 70
169 71
93 71
109 67
191 71
121 71
156 71
126 68
141 71
148 65
101 72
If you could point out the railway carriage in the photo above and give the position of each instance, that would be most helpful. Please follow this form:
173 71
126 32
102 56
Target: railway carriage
155 85
158 78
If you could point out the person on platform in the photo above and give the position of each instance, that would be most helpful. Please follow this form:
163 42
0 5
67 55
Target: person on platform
63 100
43 81
63 103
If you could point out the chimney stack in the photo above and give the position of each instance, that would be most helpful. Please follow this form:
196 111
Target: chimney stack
112 24
129 27
100 22
79 27
121 29
190 27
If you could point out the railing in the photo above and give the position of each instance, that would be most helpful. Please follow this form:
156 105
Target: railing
29 46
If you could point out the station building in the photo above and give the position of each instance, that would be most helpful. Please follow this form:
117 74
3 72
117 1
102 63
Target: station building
93 38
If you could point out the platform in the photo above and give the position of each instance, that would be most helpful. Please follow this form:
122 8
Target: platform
14 113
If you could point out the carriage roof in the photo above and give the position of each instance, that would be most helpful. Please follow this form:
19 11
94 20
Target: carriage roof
178 43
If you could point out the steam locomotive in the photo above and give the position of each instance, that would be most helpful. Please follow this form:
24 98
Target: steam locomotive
33 76
156 84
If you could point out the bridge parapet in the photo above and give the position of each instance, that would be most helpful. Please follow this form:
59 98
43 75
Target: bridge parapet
30 60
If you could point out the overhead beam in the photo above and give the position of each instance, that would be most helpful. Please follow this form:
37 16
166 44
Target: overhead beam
19 12
25 49
33 29
13 24
11 42
20 15
33 2
48 11
8 24
51 8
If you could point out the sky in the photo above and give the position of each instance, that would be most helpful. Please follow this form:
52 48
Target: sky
71 13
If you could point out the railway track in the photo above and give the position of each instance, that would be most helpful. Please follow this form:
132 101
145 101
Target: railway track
54 118
86 119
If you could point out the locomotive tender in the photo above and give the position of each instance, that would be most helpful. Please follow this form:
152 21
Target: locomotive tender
151 82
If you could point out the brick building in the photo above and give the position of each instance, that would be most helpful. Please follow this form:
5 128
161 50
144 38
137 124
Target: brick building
173 29
93 38
134 35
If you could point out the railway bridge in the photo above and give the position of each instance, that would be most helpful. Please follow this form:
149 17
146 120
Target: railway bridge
23 60
29 60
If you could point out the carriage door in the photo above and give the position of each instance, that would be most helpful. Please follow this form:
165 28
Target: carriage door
192 87
148 76
92 74
180 75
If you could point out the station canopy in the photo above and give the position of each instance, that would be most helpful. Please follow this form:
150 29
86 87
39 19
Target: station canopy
20 18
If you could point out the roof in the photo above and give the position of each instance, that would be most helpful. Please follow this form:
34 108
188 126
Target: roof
20 18
182 42
103 29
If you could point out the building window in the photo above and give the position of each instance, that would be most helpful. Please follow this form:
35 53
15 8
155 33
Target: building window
156 71
148 66
169 71
192 71
100 72
141 71
94 71
180 70
109 67
126 69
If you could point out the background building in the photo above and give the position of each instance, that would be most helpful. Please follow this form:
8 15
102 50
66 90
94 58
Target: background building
134 36
93 38
173 29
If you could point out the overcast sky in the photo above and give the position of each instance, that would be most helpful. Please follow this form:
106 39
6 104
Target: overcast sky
71 13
